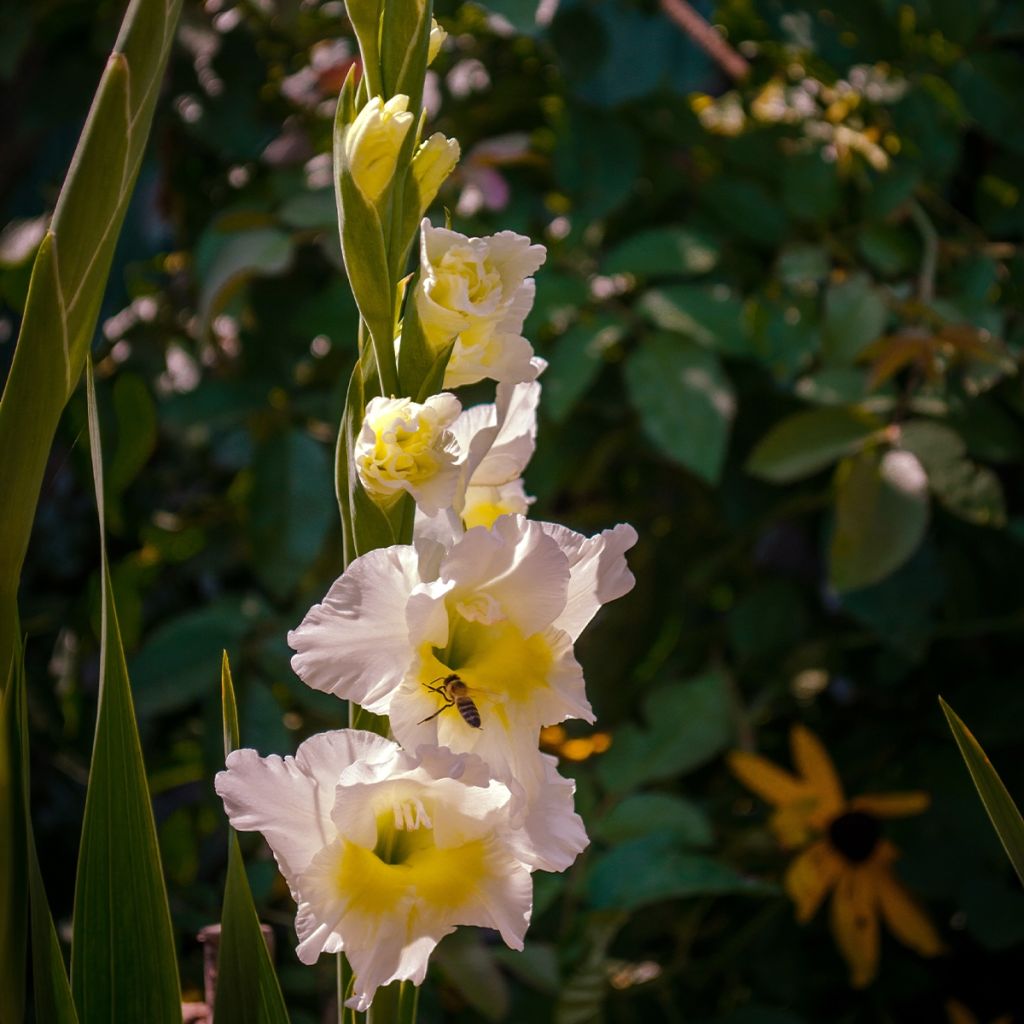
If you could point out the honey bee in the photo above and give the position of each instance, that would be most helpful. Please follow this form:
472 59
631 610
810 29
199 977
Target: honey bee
456 695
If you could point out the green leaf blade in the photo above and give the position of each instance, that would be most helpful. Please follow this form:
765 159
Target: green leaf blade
808 441
69 276
882 513
685 401
124 961
247 988
1002 811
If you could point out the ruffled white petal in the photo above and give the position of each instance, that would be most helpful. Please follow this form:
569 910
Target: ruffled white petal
289 799
551 834
598 571
355 644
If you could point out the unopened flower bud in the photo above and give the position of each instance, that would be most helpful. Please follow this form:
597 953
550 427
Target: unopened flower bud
434 161
437 38
372 143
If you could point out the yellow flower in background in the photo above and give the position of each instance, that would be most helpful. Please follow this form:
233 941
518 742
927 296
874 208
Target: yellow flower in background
844 852
372 143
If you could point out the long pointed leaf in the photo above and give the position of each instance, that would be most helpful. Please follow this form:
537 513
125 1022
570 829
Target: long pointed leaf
123 959
51 989
247 988
1002 811
69 277
13 894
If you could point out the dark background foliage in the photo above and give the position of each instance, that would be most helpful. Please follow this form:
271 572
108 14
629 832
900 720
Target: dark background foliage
837 235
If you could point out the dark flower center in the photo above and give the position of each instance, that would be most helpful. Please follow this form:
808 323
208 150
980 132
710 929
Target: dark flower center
855 835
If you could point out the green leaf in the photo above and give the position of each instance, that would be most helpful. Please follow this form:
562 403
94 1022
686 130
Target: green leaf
803 266
290 511
653 869
688 724
966 489
405 39
178 663
247 988
684 400
576 361
999 805
50 987
13 815
644 813
711 316
52 993
70 274
663 252
855 315
881 516
124 961
240 256
807 442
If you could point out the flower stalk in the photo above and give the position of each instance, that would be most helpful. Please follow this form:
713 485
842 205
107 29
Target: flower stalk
450 633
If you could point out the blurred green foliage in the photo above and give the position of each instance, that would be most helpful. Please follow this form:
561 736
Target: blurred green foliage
783 320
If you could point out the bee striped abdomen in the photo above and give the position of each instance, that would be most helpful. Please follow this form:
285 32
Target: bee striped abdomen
468 710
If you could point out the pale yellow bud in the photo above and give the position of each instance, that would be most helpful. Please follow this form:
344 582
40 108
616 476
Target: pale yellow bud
437 38
372 143
434 161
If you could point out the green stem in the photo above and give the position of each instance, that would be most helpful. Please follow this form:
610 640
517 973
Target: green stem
408 1003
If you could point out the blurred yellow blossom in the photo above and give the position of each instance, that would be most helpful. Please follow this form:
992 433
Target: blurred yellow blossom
843 852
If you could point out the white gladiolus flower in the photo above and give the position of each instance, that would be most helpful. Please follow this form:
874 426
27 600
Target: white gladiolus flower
407 446
372 143
385 852
498 611
479 291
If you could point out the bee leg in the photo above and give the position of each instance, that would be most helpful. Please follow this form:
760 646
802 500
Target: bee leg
435 714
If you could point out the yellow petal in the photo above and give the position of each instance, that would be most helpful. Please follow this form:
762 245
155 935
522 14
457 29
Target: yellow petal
891 805
855 924
767 780
809 878
791 825
814 764
903 917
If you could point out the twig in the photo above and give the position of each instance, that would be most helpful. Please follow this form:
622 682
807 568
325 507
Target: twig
705 36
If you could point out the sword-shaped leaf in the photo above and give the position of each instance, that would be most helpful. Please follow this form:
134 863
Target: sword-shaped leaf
69 277
123 958
247 988
1003 812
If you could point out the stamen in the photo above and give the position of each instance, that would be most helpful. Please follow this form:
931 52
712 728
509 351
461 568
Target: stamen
411 815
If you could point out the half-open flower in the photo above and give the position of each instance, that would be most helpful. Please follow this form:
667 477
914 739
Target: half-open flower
478 291
405 446
416 632
385 852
